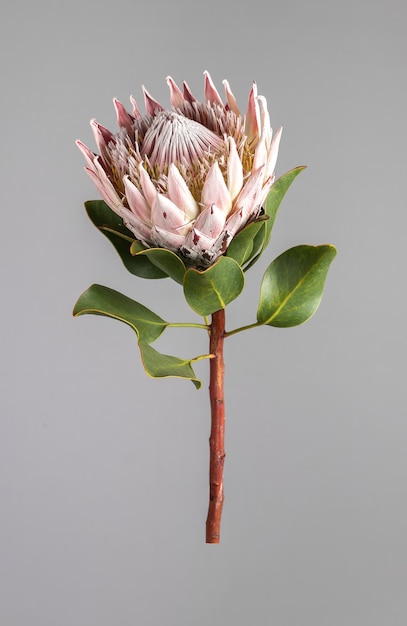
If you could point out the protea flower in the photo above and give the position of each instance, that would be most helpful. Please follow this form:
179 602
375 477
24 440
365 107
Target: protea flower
188 178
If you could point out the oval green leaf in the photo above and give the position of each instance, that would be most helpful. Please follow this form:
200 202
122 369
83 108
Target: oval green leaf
165 260
241 246
212 289
100 300
293 284
275 197
111 225
159 365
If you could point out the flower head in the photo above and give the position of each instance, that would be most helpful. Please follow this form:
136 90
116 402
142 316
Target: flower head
190 177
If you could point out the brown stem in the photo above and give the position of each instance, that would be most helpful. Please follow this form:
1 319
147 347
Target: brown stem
217 437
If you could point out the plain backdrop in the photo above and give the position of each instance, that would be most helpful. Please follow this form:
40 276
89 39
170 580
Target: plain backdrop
103 471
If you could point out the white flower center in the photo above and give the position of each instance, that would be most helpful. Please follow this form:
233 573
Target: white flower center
173 138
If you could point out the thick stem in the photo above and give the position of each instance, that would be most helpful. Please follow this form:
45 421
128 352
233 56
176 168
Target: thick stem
217 437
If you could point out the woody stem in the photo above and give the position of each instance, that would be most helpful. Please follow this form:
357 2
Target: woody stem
216 440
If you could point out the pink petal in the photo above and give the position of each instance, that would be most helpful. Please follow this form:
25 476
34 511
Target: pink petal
136 112
198 248
215 190
176 96
136 225
267 184
88 154
105 189
188 95
208 238
235 222
124 119
199 242
210 222
252 122
179 193
147 186
263 147
230 98
211 94
261 152
166 239
273 153
103 136
99 168
235 170
152 106
221 244
166 215
264 114
248 199
137 201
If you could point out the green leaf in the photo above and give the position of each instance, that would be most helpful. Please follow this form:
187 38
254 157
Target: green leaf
293 284
99 300
257 248
275 197
271 206
241 246
165 260
159 365
111 225
212 289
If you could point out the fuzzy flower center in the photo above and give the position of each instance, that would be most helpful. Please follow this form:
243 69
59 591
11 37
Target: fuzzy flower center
173 138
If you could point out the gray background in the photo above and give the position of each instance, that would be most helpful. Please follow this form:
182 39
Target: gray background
103 471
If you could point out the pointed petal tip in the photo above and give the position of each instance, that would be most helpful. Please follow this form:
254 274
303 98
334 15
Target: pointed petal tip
215 190
187 93
230 98
176 97
88 154
117 104
151 104
136 112
101 130
210 91
124 119
180 194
